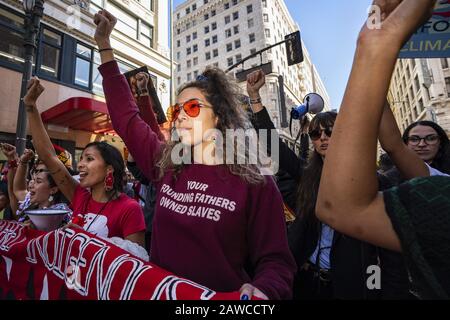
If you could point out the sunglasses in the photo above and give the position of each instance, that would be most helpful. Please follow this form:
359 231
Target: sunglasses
191 107
317 133
431 139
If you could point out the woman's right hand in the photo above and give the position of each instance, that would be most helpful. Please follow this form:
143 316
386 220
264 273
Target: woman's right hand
105 23
34 90
9 151
27 155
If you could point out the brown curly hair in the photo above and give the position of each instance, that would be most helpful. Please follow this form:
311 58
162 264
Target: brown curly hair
223 93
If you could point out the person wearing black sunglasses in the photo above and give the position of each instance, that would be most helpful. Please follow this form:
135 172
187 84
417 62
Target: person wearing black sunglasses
218 224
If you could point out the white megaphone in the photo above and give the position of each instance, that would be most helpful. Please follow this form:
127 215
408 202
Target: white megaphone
313 103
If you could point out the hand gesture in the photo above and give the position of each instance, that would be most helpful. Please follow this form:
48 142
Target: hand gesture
142 81
255 81
398 20
9 151
34 90
27 155
105 23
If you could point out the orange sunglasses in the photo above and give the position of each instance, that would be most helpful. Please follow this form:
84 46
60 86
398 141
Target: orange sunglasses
191 107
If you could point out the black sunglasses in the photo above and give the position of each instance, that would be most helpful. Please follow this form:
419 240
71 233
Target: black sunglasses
317 133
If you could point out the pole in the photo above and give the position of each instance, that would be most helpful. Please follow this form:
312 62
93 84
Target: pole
171 53
32 22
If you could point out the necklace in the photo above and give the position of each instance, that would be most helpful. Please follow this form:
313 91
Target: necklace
79 219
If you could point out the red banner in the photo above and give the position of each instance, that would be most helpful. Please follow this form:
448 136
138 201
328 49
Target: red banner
74 264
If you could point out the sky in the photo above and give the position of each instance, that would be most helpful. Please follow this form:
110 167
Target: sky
329 30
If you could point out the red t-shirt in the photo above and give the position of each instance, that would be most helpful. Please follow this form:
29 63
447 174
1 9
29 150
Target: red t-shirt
117 218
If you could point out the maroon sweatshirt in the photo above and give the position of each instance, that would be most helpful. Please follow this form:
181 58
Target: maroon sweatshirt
210 226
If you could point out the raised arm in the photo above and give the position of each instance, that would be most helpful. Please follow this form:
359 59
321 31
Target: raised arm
20 178
139 138
406 160
348 197
288 160
11 155
41 141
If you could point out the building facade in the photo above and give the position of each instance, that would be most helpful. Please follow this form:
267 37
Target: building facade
66 61
224 32
420 90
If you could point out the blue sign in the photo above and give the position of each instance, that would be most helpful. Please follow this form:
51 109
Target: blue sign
432 40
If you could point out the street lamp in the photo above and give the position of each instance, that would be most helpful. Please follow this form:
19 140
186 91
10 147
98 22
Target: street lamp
34 10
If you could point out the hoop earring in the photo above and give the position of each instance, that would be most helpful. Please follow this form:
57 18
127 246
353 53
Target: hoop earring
51 198
109 181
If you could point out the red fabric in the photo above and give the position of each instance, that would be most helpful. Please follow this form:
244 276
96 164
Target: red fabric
119 218
74 264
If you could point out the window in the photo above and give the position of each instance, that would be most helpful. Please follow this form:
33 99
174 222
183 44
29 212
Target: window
195 61
178 43
444 63
11 44
178 16
188 38
236 29
228 33
188 10
179 68
207 43
238 58
178 56
215 53
188 25
206 17
188 63
83 65
230 62
265 17
208 55
251 37
214 39
250 8
229 47
214 26
421 107
178 31
194 7
50 53
194 35
188 51
264 3
195 73
206 29
226 6
447 85
146 34
252 51
195 48
216 64
251 23
205 1
189 76
179 80
126 23
213 13
235 2
267 32
416 82
235 15
227 19
237 44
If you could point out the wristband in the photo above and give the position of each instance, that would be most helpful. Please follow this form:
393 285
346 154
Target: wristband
105 49
255 101
12 164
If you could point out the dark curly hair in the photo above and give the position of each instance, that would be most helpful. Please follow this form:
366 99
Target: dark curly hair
442 160
223 93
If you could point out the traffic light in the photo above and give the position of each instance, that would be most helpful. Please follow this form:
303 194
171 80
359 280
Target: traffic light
294 51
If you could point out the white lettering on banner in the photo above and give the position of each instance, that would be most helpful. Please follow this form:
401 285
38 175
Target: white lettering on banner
169 285
10 236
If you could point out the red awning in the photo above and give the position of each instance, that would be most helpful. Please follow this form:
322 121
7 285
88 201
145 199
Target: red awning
80 113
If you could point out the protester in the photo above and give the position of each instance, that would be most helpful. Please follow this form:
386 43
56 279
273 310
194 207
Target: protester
412 218
219 225
97 201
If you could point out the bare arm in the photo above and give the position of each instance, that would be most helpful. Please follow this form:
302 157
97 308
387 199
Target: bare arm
10 153
20 179
406 160
138 237
348 198
43 145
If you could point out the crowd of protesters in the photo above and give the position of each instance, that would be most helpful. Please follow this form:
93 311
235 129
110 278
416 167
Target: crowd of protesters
312 231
